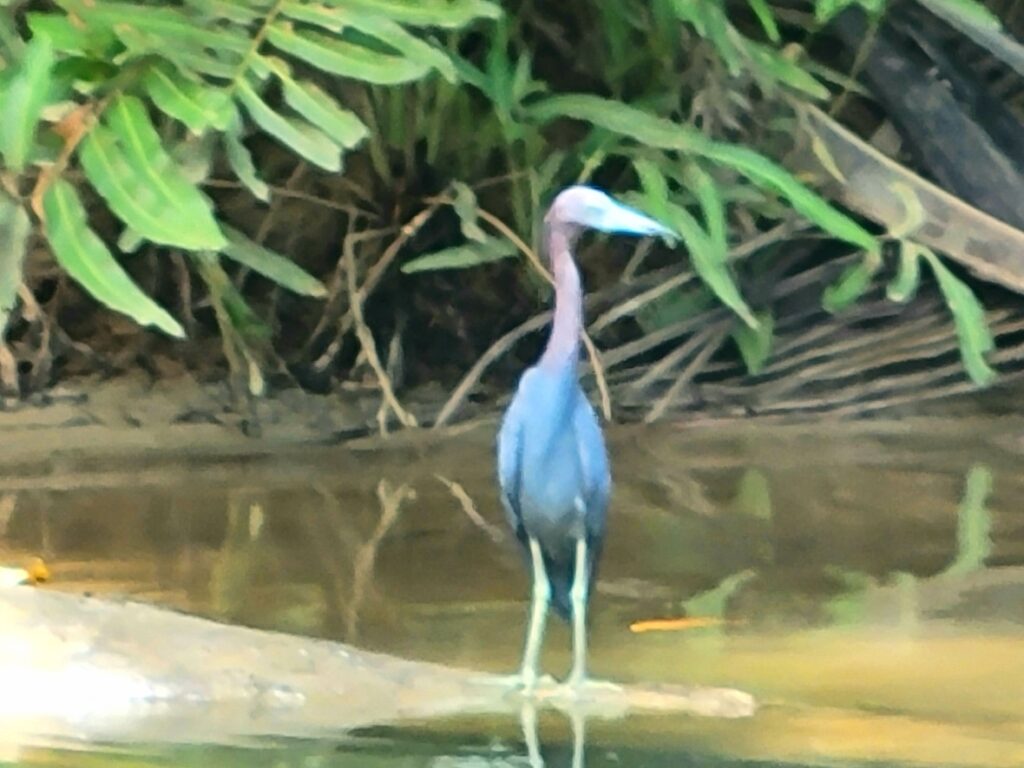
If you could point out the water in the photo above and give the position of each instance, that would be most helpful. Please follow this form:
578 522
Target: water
865 581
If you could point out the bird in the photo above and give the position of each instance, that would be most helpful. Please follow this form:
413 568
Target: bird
553 468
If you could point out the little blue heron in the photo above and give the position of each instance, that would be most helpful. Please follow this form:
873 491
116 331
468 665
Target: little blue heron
552 461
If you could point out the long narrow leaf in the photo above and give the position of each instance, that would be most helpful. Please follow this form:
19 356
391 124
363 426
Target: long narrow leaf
173 197
850 286
659 132
388 31
313 145
463 256
968 317
274 266
450 14
23 100
241 163
320 109
86 259
707 263
343 58
196 106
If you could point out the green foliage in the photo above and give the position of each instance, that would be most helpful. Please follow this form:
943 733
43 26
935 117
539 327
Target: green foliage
141 102
969 317
755 344
195 64
462 256
24 96
84 256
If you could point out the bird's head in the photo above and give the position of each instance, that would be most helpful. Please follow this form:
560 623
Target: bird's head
580 207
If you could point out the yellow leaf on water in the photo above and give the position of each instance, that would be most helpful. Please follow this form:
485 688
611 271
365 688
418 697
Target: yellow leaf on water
677 624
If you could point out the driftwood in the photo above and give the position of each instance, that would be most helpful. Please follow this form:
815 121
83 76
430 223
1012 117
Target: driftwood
80 667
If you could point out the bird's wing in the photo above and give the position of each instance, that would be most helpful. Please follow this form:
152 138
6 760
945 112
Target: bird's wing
597 481
510 454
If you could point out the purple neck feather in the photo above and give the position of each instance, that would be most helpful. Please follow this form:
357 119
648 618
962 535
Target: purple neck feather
563 349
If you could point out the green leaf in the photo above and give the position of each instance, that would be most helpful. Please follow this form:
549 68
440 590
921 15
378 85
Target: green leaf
274 266
68 38
968 317
239 13
711 205
392 34
904 285
340 57
15 228
653 131
850 286
306 140
24 97
86 259
462 256
655 188
320 108
766 18
708 263
241 163
164 26
173 210
450 14
196 106
467 210
755 344
769 61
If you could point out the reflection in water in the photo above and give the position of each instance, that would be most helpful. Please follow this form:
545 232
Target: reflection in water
869 586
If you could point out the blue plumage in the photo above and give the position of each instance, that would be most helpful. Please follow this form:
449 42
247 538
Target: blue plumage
554 476
552 463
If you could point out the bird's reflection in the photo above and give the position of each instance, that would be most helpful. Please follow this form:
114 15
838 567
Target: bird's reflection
578 721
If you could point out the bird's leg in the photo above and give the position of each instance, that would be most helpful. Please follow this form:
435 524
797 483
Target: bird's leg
578 595
538 617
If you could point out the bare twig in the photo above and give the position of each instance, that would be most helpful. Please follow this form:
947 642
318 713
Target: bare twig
373 275
496 534
391 500
712 338
496 350
365 337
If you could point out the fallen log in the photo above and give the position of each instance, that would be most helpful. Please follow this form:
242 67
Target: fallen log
80 667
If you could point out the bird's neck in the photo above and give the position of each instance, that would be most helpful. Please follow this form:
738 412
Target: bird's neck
563 348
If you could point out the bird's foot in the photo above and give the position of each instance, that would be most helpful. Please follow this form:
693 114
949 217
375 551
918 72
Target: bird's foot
524 683
580 687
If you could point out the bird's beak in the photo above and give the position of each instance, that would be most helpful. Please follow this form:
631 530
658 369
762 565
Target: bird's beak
622 219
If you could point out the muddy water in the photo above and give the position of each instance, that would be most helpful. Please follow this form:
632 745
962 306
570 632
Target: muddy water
866 582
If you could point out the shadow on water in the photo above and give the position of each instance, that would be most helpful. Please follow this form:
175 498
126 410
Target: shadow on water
866 583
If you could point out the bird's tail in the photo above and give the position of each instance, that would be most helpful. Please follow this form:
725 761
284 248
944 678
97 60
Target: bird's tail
560 576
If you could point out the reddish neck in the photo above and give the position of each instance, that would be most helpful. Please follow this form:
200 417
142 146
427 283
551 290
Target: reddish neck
563 347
